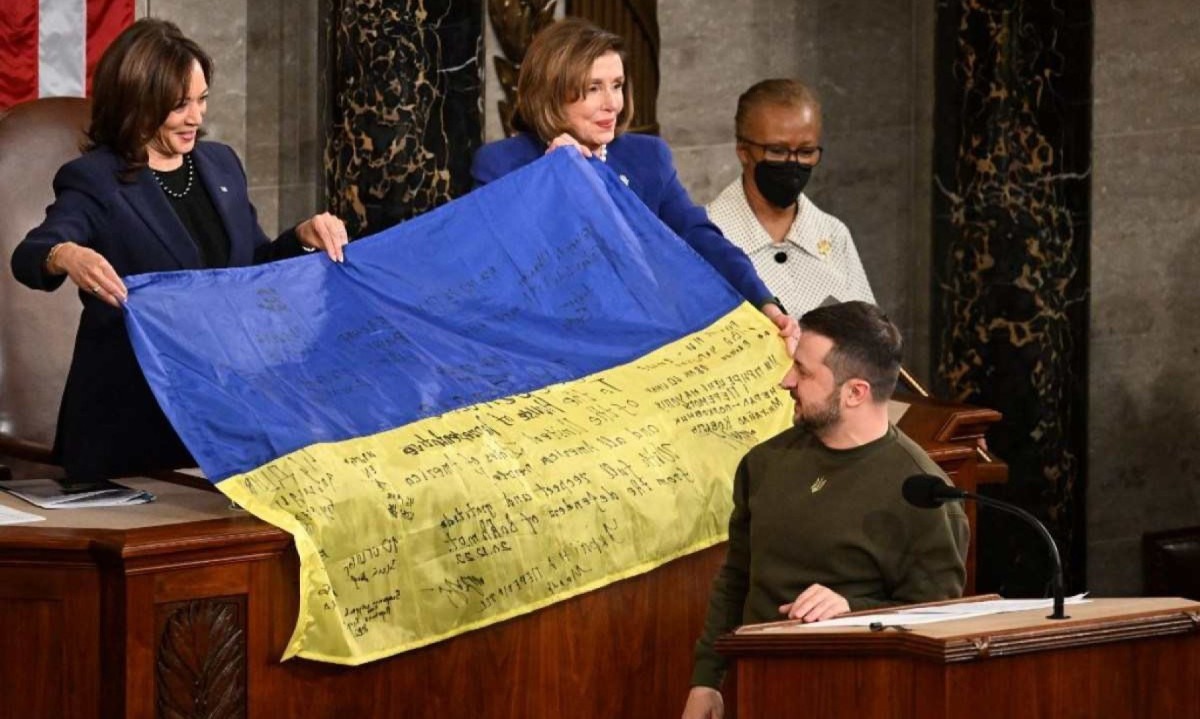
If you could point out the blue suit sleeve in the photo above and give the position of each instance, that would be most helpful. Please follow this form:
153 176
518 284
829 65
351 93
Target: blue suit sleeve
496 159
690 222
487 165
72 217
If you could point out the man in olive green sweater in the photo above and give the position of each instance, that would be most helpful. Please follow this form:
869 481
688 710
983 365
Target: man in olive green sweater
819 526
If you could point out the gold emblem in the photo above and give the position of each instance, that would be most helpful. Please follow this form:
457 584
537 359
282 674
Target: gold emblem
824 247
817 485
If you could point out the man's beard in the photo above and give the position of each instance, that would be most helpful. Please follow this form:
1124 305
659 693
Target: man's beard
817 420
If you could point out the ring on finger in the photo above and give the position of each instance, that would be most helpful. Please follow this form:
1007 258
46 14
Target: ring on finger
96 289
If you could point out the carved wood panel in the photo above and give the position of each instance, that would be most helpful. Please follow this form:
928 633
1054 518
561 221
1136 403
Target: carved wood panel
200 664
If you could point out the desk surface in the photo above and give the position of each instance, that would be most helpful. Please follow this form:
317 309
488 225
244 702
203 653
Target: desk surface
173 504
1007 622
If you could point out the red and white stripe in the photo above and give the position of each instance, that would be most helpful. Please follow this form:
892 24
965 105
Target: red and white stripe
50 47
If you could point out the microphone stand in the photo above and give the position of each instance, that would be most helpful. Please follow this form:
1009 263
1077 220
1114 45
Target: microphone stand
1054 556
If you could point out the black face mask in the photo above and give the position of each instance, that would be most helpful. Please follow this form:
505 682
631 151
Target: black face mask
781 182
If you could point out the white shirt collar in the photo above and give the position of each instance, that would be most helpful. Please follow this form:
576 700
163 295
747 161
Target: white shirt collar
732 201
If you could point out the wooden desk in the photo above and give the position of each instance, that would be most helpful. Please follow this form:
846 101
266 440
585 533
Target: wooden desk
132 619
1114 658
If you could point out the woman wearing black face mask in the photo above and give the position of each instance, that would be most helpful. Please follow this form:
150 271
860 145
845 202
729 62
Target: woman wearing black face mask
805 255
779 178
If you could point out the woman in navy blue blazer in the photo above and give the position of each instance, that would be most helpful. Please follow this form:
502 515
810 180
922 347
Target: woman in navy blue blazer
572 92
146 196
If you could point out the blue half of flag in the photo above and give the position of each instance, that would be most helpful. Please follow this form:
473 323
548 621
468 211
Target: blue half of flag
552 273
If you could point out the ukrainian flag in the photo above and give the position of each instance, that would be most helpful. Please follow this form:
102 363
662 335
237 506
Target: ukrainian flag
531 392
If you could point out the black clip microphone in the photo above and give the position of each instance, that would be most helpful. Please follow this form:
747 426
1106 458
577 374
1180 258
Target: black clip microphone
929 492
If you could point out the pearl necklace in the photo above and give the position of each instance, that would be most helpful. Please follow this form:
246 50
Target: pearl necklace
191 176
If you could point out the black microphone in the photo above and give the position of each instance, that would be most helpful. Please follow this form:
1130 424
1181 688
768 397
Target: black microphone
929 492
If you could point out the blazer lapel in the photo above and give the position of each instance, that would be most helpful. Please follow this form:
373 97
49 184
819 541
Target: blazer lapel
150 203
623 167
221 189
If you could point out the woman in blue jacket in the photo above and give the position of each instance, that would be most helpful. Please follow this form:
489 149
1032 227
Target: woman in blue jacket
146 196
572 92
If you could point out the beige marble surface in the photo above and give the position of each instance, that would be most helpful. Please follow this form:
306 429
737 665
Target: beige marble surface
1144 401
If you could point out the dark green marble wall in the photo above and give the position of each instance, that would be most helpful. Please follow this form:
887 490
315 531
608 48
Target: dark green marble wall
1011 234
405 110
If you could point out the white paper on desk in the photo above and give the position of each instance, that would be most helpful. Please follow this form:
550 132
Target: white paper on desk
992 606
8 515
866 620
930 615
48 494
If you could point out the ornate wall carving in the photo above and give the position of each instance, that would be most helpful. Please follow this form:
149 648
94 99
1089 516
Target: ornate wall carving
515 22
200 668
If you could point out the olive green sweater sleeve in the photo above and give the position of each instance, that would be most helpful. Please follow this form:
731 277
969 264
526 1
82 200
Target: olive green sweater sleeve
728 597
933 568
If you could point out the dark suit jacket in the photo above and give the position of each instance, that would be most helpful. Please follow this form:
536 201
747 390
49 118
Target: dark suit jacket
645 163
109 423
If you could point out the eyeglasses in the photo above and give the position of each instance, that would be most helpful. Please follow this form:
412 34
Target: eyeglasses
783 153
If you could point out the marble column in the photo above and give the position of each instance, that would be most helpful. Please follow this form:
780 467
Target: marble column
405 107
1011 233
283 112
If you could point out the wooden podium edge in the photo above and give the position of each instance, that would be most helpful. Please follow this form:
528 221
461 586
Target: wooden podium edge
759 640
1014 642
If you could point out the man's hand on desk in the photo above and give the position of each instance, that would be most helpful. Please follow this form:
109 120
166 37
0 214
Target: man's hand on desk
704 703
814 604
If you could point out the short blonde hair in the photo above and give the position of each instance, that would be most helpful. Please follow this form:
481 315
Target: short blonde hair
556 71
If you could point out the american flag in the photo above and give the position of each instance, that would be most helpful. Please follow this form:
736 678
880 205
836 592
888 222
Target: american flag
49 48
